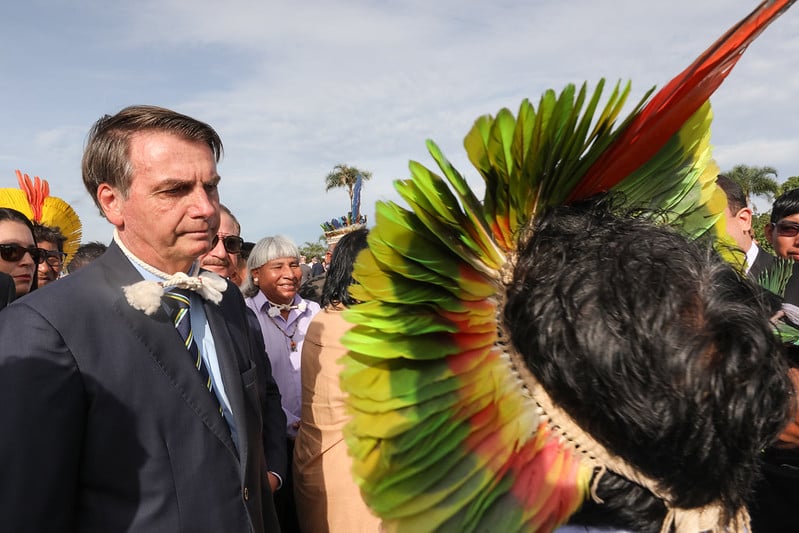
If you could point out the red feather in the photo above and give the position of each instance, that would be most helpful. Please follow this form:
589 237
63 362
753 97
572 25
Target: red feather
36 192
668 110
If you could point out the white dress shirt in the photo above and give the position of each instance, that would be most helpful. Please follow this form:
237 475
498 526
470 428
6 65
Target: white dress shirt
751 256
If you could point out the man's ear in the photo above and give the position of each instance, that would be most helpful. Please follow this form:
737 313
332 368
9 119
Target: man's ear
744 217
768 229
110 201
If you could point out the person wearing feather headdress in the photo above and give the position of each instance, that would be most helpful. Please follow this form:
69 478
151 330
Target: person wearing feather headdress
56 225
451 429
652 358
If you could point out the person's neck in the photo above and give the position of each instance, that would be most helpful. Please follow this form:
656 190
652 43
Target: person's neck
280 303
152 264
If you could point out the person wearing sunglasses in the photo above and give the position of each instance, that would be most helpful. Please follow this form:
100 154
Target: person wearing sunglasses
783 229
19 254
51 240
774 500
223 258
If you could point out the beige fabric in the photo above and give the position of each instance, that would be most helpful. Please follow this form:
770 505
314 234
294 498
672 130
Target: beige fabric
327 497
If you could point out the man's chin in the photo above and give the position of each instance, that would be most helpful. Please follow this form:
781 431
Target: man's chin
289 296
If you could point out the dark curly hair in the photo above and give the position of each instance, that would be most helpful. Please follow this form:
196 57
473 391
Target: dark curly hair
658 349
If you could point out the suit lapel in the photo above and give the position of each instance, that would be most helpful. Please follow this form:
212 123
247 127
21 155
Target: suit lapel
231 363
163 344
763 261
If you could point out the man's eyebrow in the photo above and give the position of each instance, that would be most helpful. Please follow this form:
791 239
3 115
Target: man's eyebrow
170 183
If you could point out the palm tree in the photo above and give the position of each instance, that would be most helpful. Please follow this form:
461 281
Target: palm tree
755 181
345 176
789 184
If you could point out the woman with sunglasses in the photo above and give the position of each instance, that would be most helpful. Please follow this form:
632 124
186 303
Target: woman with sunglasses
19 255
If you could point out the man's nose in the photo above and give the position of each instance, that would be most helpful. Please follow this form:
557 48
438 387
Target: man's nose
205 204
219 249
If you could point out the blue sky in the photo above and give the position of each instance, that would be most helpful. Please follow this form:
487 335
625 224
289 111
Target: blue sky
294 88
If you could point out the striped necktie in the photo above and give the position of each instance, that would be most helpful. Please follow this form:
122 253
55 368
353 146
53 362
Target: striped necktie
179 303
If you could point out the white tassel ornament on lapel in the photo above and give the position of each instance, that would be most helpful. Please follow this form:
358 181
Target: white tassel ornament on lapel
146 295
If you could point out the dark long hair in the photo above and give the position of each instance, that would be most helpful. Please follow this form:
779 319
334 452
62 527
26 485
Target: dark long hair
339 275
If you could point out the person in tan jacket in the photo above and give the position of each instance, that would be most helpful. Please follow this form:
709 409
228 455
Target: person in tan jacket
328 500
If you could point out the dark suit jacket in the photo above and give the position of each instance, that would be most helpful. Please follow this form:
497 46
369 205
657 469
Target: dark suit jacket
107 426
317 269
763 261
791 295
8 291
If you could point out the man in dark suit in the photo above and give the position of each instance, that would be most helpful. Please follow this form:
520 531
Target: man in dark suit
775 500
782 232
739 226
110 422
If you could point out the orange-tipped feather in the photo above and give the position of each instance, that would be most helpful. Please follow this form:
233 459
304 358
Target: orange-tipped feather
673 105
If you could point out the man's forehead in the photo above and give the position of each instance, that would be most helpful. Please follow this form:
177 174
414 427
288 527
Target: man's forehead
790 218
47 245
226 224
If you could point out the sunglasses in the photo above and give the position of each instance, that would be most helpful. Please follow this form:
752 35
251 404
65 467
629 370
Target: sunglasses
786 229
54 258
14 252
231 243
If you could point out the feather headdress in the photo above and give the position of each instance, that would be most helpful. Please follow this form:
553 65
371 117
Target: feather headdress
336 228
34 201
446 434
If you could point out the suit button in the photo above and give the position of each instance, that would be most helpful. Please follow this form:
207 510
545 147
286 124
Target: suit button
246 494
